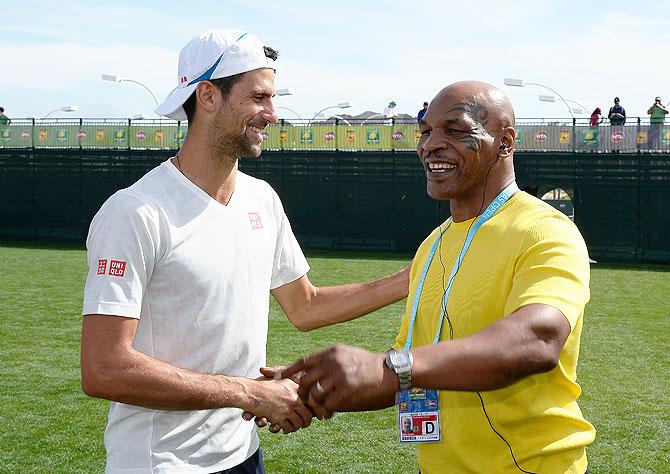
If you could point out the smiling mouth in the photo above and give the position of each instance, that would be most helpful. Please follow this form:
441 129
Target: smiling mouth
439 168
257 133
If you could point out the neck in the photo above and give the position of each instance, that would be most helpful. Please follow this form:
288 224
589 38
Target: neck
469 207
212 173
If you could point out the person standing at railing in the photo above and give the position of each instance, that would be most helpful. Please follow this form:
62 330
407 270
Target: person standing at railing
657 116
4 120
596 117
617 113
422 112
389 113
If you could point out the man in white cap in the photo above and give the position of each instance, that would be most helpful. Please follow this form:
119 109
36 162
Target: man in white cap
389 112
181 264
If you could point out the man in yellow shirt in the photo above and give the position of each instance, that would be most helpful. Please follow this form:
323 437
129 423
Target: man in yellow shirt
494 316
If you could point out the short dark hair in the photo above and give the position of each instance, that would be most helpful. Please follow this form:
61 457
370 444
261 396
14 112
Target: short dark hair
425 103
225 84
2 109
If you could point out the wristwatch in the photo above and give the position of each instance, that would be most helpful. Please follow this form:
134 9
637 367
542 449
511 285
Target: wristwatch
401 363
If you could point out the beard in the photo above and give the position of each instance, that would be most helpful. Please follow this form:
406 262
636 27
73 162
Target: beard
235 144
229 143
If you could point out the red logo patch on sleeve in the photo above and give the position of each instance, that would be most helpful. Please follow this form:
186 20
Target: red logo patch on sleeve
255 220
117 268
102 266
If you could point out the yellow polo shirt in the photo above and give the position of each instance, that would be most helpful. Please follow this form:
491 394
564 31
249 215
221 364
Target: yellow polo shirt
526 253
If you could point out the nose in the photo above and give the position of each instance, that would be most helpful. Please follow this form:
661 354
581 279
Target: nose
269 113
430 144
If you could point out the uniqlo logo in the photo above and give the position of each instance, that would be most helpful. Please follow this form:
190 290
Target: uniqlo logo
255 220
117 268
102 266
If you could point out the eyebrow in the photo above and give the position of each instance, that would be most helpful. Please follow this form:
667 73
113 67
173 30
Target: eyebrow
457 121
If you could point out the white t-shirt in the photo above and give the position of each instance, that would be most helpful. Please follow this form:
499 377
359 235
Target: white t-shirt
389 114
197 275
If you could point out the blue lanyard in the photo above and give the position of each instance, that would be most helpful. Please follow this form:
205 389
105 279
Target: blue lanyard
490 210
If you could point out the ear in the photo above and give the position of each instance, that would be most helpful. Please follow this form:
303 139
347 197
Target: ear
508 140
206 96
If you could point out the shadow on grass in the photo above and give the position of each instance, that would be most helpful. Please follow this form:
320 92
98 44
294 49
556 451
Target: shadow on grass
328 254
42 245
338 254
652 267
354 255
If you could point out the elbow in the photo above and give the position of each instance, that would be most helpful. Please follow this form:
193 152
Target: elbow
304 327
90 385
547 363
546 356
303 324
547 344
95 384
541 357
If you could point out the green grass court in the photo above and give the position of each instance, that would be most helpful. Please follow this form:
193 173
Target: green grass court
48 425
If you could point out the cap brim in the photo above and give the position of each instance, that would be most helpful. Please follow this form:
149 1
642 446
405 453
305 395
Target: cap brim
172 105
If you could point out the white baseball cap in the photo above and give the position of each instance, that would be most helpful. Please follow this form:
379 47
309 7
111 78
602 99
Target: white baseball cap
212 55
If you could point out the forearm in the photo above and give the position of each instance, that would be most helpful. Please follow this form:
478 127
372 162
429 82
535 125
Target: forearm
464 365
337 304
495 357
138 379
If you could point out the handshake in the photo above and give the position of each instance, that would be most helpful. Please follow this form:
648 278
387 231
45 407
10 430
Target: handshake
341 378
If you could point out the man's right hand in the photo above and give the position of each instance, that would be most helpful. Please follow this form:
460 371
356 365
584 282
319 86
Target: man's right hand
277 401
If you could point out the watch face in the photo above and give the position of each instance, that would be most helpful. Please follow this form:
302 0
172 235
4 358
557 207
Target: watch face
400 359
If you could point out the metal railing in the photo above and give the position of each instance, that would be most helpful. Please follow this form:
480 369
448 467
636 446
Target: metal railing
539 134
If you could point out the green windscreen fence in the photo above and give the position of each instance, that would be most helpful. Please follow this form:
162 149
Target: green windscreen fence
365 200
367 135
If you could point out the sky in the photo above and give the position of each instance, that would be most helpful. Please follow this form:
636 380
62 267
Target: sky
368 53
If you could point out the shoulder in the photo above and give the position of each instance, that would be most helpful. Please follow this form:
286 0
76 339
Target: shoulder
140 199
535 210
425 246
260 193
538 222
127 205
255 185
422 253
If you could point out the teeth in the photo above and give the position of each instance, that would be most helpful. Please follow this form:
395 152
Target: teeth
440 167
256 129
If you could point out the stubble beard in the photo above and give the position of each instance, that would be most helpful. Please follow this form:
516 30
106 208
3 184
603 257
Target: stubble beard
233 144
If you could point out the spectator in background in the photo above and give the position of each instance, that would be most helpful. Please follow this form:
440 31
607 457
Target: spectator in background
617 114
657 116
422 112
596 117
4 120
389 113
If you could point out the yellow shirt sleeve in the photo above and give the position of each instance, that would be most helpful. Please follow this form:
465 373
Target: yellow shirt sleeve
553 269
